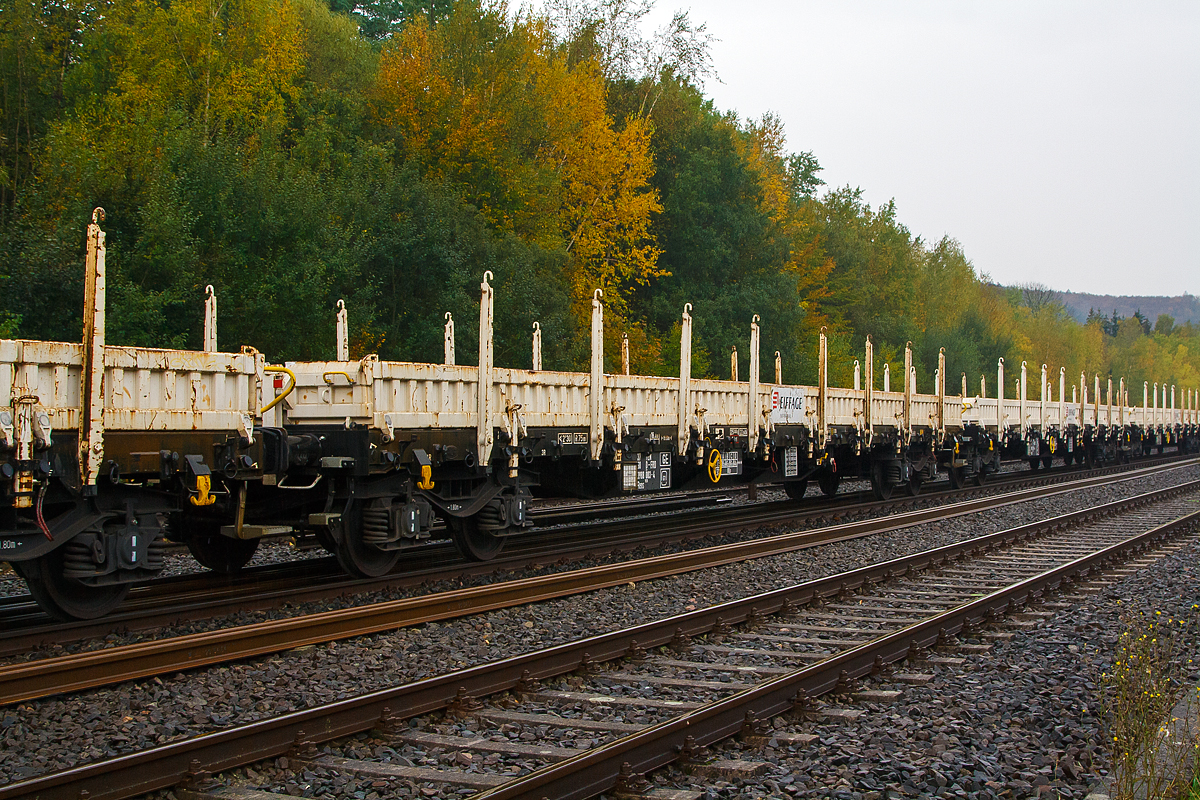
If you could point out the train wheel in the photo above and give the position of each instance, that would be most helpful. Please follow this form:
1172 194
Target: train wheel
473 543
356 556
796 489
1047 460
828 481
221 553
914 484
958 477
1035 464
882 489
66 598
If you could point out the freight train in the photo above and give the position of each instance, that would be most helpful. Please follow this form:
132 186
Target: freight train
107 453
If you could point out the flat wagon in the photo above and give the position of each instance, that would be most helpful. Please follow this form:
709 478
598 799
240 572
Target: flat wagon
106 453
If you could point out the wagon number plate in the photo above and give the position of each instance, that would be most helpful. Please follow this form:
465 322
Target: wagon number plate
791 462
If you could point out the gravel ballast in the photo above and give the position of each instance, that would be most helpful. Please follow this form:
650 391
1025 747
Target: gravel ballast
284 552
1025 720
61 732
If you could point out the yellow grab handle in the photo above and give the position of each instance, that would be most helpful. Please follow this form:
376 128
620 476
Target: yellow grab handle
286 390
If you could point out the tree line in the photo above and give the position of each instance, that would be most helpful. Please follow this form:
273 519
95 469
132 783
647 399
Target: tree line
297 152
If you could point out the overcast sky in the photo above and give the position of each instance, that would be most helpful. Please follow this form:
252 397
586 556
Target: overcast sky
1058 141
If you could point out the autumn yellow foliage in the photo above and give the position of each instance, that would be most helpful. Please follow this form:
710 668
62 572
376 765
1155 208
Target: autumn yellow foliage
498 111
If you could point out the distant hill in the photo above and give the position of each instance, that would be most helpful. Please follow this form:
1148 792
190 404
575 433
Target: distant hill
1184 308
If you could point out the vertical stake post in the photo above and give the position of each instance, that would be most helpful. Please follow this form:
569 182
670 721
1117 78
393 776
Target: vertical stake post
941 394
1062 396
685 378
1109 418
753 411
343 336
210 319
822 388
908 389
91 420
537 346
448 340
484 434
869 392
1022 395
1042 409
596 384
1001 416
1145 403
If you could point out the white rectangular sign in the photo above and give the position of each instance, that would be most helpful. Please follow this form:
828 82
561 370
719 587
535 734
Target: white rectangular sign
787 406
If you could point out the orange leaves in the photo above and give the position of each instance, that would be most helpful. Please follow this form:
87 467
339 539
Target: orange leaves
606 209
495 109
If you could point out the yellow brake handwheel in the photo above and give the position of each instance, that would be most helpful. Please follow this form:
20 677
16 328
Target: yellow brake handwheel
714 465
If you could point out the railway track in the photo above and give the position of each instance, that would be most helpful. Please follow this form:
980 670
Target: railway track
42 677
211 592
774 653
163 603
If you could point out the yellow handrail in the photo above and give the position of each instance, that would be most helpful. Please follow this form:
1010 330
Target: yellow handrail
286 391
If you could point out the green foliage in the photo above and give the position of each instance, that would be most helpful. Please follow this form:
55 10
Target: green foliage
294 153
9 323
379 19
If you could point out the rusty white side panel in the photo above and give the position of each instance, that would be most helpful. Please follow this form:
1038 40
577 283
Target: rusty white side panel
414 395
331 391
924 411
953 412
982 412
1012 413
722 402
1051 419
144 389
642 400
887 410
845 407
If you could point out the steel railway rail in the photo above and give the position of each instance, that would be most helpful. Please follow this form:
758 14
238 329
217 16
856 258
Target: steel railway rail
198 595
28 680
987 577
165 602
